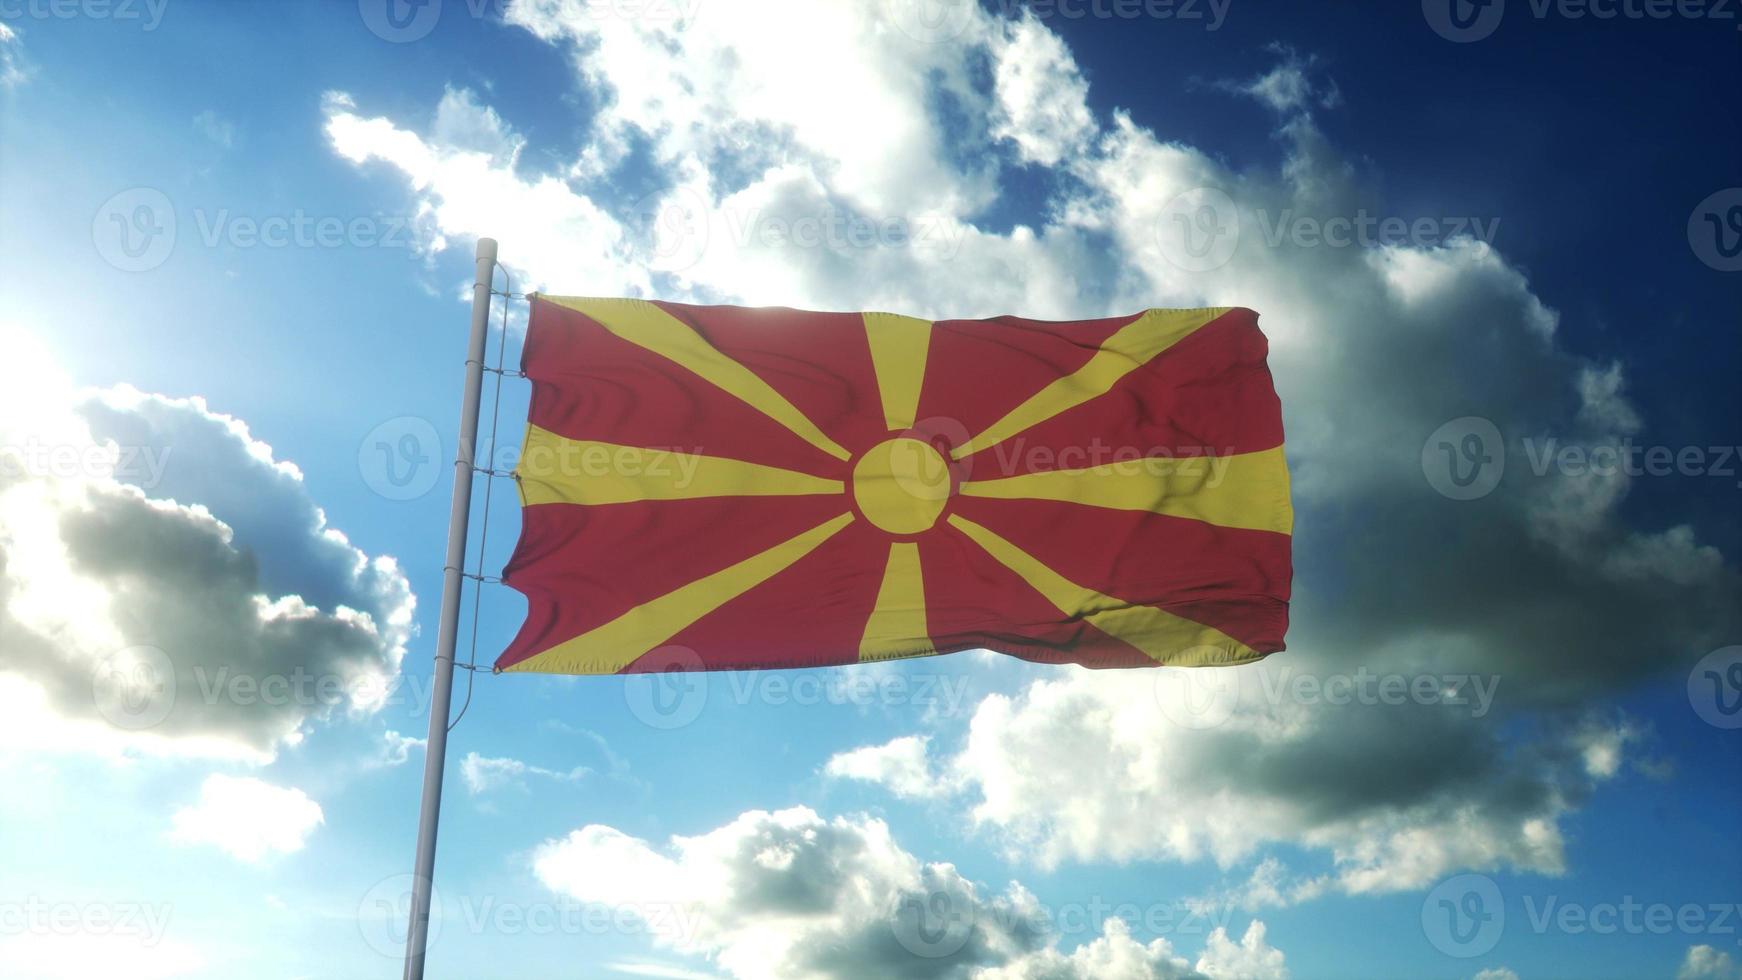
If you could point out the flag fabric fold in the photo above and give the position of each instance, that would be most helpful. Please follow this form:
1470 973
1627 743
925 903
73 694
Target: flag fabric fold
715 487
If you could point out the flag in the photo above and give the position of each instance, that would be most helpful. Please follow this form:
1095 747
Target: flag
715 487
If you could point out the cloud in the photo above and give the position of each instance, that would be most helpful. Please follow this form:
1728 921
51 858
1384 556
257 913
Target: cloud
1394 796
1294 85
1041 96
791 895
166 584
465 126
1269 886
248 819
899 765
731 88
553 227
1708 963
1114 955
713 150
1545 592
614 762
215 128
396 748
1496 973
12 70
484 773
1249 958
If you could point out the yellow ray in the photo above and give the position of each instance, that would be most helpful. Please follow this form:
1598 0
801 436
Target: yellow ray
1247 490
898 349
645 325
1130 347
1169 639
555 470
609 648
897 625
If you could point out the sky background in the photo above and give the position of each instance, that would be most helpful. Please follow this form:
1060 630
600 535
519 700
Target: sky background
238 242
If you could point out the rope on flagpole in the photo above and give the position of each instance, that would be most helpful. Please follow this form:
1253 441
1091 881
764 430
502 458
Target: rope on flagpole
479 579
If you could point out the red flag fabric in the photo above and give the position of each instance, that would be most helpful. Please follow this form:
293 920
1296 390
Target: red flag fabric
761 488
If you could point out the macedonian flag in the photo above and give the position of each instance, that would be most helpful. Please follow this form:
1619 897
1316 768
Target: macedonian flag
714 487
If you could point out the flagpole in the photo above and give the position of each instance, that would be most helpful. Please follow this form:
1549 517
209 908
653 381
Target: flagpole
447 635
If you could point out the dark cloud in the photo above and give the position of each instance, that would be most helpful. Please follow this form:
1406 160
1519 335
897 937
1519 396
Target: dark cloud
170 584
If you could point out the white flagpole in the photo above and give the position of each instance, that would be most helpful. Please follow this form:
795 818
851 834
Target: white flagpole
447 635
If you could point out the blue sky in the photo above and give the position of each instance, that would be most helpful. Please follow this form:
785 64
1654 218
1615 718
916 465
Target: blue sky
1560 283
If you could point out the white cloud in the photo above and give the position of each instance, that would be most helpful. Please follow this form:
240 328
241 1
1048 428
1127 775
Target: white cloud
1249 958
900 765
744 146
166 584
793 896
468 186
483 774
735 84
1705 962
1291 86
397 748
1270 885
11 58
1113 955
1271 771
247 818
1496 973
1603 746
215 128
463 125
1042 98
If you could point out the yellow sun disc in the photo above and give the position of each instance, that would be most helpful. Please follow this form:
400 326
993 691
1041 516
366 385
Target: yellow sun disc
902 485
